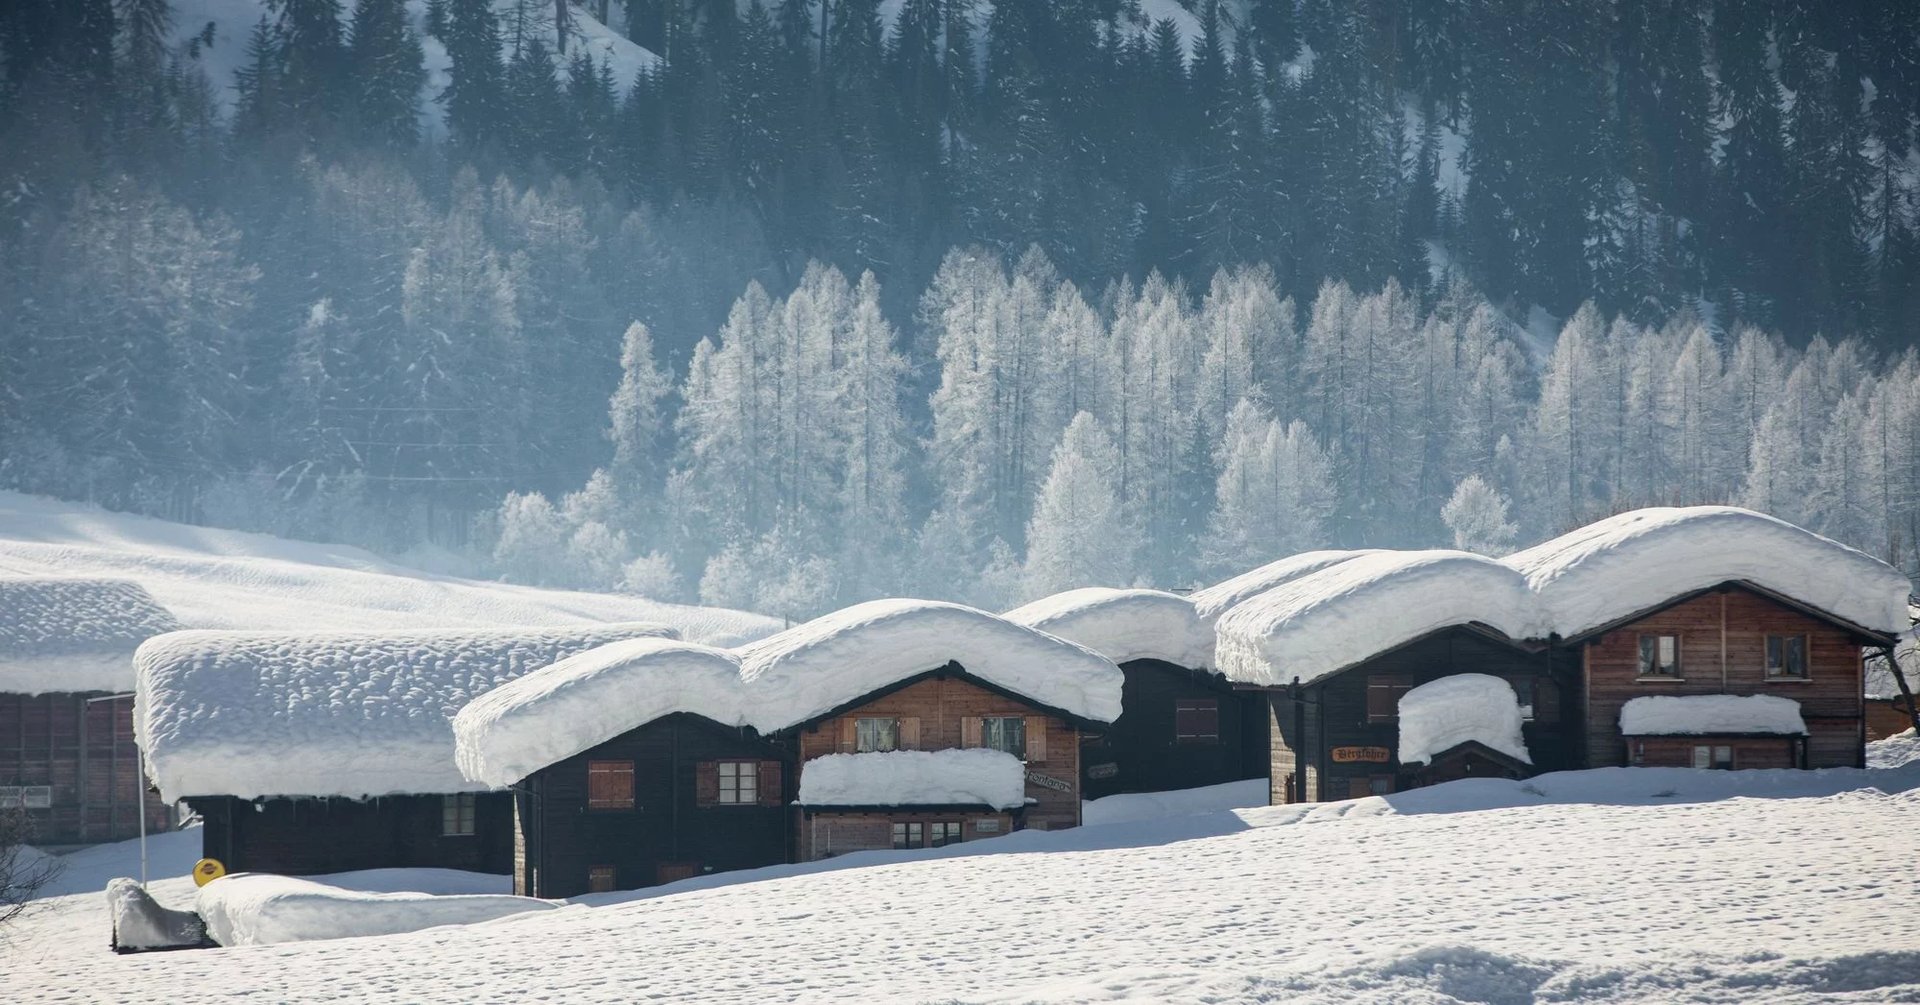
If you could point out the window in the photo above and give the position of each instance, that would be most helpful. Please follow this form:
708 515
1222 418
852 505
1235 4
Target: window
943 833
1660 656
1383 695
908 835
1005 733
456 814
609 785
1196 721
600 879
1787 656
988 825
1719 757
739 783
876 734
27 797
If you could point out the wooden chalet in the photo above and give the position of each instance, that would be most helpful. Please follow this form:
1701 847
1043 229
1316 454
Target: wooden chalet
649 761
67 754
1182 724
337 754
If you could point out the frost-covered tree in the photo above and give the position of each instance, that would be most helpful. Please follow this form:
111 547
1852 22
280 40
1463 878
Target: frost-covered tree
1274 496
532 546
1080 534
1476 514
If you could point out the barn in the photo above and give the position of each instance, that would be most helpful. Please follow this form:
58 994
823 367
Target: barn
1181 723
329 752
890 724
67 754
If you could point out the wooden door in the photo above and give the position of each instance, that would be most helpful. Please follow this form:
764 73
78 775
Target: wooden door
669 872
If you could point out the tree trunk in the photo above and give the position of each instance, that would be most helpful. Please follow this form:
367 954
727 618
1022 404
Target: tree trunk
1892 657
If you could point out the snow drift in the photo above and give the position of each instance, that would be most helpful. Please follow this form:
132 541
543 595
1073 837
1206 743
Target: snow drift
257 909
73 634
1442 714
1319 624
1703 714
254 714
915 778
1124 625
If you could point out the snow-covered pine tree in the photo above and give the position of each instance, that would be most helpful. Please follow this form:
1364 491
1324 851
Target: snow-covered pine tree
1476 513
1081 534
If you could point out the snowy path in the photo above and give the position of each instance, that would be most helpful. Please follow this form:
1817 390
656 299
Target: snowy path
1564 901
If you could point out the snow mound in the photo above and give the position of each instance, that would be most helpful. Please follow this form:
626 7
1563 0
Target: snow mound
1896 751
62 633
257 909
1442 714
1704 714
1124 625
1132 807
1628 563
254 714
812 668
211 578
1321 623
140 923
1217 599
915 778
586 699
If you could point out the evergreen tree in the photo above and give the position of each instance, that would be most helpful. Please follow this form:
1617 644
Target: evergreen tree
1080 534
475 95
383 61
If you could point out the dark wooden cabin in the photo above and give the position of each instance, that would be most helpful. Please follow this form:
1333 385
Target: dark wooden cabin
1338 737
313 836
1179 728
678 797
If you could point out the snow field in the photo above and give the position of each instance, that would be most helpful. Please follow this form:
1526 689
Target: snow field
257 909
1604 886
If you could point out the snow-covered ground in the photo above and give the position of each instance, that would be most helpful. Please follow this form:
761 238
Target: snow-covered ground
210 578
1615 885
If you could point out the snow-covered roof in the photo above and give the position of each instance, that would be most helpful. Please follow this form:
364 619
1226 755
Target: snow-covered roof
73 634
812 668
1628 563
1319 624
1442 714
782 681
589 698
253 714
1124 625
1209 604
915 778
1708 714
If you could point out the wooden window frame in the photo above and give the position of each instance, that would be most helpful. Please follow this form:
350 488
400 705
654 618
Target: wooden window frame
602 879
906 834
745 777
1640 656
1196 706
458 811
613 768
859 744
1806 656
950 832
986 733
26 797
1710 752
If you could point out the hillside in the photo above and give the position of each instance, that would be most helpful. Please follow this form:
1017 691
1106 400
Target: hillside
1608 886
212 578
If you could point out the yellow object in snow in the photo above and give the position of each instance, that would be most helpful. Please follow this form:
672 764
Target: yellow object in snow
207 870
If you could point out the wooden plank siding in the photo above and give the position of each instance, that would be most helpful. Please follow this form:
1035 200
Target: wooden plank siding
1723 651
825 835
1141 751
669 829
940 705
84 752
304 837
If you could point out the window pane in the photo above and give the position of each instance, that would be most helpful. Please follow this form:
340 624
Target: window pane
876 734
1005 733
1703 757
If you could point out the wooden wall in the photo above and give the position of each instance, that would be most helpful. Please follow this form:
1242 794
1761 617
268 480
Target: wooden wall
305 837
940 703
1141 747
1887 716
825 835
1723 651
84 752
1748 752
667 828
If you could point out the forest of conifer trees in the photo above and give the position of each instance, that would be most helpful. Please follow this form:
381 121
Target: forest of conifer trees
829 300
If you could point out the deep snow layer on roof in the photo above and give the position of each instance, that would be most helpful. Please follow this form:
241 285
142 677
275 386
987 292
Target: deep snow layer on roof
797 675
74 634
253 714
1701 714
812 668
1442 714
212 578
1628 563
1124 625
915 778
1321 623
1209 604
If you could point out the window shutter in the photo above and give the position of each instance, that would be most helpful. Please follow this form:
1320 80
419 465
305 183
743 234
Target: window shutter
1036 738
847 733
910 732
770 794
970 731
706 783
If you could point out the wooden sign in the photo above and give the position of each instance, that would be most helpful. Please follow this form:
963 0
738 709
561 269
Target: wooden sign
1049 782
1362 755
